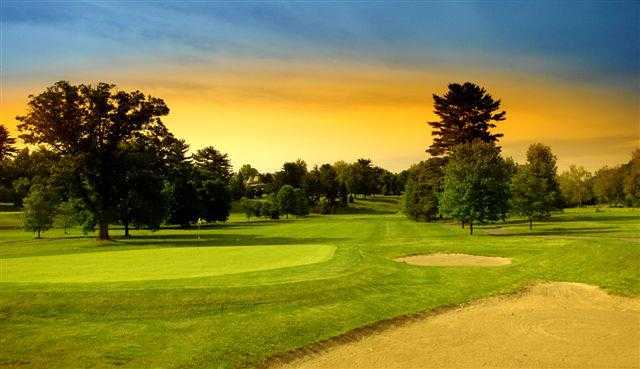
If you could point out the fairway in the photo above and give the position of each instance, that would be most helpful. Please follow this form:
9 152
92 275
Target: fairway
163 263
247 292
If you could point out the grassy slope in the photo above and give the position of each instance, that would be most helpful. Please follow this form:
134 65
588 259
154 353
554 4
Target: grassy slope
242 319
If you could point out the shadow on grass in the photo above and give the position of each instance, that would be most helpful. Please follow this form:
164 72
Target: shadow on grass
240 224
556 232
220 240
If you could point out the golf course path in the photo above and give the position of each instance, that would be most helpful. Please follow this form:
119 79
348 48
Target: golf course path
552 325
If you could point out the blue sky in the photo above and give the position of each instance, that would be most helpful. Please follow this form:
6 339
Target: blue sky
587 41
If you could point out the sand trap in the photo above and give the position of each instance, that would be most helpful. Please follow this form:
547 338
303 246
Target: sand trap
555 325
454 260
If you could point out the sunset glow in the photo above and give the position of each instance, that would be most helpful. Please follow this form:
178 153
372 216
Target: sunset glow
273 82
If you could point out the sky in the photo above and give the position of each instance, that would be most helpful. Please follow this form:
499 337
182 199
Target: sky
268 82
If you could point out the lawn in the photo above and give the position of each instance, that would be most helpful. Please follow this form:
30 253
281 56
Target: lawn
246 291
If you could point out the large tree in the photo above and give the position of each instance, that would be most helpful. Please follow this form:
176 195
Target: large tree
534 188
476 184
88 124
7 144
467 112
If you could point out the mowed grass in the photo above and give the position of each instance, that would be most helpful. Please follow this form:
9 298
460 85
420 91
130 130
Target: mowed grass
167 263
234 317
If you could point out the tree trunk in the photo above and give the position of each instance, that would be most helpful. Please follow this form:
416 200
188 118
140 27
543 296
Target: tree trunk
126 229
530 223
471 227
38 234
104 231
462 223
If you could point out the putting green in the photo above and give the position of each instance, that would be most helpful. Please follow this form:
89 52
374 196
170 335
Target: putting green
160 263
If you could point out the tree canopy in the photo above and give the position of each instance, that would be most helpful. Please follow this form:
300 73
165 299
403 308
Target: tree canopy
476 184
88 124
534 188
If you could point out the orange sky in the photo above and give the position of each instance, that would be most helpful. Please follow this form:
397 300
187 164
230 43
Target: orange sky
268 113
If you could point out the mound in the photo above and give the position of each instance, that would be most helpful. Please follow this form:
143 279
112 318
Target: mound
555 325
454 260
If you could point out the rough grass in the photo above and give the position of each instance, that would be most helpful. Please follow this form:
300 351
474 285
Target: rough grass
242 319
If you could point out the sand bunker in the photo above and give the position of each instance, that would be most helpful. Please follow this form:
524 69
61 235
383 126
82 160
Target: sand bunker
454 260
555 325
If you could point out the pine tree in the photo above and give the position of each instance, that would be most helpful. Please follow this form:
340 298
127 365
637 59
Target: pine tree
467 113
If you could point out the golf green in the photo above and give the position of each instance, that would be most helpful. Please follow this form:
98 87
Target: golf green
159 263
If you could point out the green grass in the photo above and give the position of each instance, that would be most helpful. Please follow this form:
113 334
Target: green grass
151 314
167 263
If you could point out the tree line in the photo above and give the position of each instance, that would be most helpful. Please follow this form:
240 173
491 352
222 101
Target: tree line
467 179
103 156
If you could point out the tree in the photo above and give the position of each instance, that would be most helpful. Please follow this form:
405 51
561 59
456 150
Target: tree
361 178
69 213
329 183
608 185
287 200
467 112
293 173
313 185
534 188
7 144
246 172
632 180
214 162
184 204
215 199
301 202
424 183
144 199
390 184
89 124
476 184
251 208
39 210
575 185
270 208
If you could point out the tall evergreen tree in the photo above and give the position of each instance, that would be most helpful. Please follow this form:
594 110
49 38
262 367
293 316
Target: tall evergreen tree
467 112
7 144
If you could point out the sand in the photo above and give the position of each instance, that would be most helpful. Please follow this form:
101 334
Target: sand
454 260
554 325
